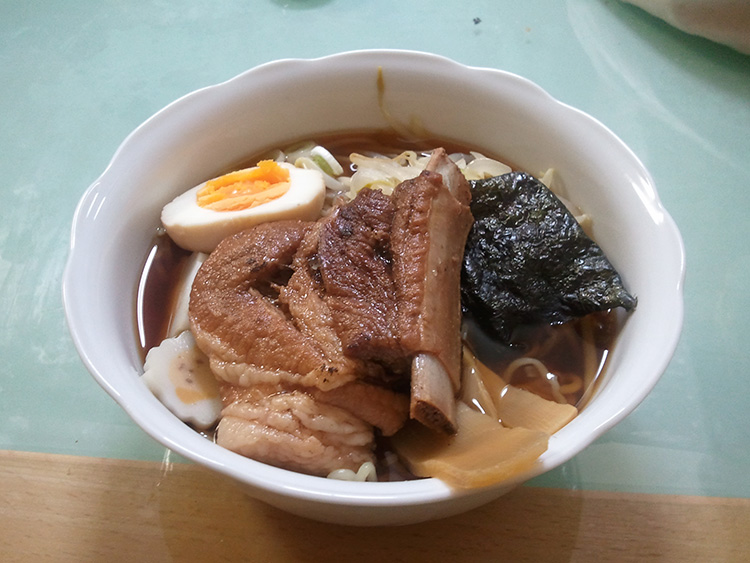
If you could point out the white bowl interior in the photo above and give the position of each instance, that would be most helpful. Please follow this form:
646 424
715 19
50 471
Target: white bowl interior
207 131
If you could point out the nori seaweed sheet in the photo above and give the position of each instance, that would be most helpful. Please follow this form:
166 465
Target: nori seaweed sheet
527 260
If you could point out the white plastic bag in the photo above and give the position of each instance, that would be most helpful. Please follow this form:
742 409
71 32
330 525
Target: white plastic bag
724 21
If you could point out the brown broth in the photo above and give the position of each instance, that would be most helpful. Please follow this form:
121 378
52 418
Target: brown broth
157 291
559 347
570 353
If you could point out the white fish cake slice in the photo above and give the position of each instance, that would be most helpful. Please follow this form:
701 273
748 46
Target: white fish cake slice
178 374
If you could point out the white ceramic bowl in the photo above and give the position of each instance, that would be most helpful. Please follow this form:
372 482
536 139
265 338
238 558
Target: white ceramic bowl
207 131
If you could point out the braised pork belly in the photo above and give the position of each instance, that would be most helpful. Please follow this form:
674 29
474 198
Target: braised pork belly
324 333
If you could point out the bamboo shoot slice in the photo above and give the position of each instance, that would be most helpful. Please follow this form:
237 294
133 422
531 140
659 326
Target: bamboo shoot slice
485 391
520 408
474 390
481 453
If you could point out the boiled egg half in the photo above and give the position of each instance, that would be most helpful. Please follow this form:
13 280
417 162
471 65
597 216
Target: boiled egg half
201 217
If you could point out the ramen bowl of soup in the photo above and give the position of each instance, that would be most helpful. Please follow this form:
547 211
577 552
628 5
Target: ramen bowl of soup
388 385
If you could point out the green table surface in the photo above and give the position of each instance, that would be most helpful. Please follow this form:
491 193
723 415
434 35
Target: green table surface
77 77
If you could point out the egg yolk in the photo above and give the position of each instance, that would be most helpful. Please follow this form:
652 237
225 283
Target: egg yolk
246 188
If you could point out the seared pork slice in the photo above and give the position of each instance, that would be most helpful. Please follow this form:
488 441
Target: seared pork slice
244 374
356 270
453 178
292 430
429 232
385 409
305 299
233 311
381 407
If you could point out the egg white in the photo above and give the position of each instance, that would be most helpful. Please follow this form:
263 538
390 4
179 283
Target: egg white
198 229
180 314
